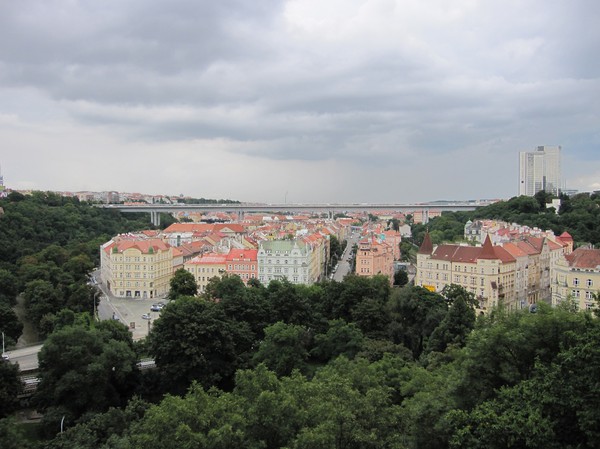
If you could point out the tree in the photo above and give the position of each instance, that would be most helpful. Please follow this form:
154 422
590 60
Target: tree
454 328
505 347
86 370
8 287
9 323
394 224
341 338
10 387
12 435
284 348
103 430
288 304
400 278
182 284
41 298
194 340
414 312
556 406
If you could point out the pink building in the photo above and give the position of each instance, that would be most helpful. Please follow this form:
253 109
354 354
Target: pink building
375 257
243 262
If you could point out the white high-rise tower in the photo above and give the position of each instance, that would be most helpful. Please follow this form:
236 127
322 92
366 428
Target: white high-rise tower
540 170
2 188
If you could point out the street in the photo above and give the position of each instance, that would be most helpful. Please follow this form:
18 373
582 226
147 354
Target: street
343 265
27 358
128 311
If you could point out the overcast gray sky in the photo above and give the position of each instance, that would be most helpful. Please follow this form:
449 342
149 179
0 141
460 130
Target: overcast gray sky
302 100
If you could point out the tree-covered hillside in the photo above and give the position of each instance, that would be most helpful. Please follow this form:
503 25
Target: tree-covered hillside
48 246
579 215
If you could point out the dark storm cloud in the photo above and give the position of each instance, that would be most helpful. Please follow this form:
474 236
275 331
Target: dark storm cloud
374 82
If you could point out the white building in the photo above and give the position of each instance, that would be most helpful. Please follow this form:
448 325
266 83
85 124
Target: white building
540 170
290 259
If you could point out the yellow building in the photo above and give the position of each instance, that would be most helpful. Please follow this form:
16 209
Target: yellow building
576 276
206 267
136 268
488 271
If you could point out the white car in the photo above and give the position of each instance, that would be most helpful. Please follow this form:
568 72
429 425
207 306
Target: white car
5 356
146 316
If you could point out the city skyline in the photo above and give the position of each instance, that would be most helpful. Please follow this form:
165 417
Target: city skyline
297 101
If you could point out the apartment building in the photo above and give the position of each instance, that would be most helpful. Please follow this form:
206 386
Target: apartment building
136 267
488 271
375 256
577 276
290 259
243 263
206 267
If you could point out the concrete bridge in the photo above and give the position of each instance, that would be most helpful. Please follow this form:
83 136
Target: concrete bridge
330 208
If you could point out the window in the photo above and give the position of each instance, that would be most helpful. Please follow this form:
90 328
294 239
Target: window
589 295
589 283
576 282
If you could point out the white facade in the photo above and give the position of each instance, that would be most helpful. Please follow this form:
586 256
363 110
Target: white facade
540 170
290 259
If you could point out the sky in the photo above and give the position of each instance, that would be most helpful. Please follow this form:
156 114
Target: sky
297 101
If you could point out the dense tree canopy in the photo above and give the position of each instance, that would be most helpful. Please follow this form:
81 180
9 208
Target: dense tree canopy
579 215
84 369
182 284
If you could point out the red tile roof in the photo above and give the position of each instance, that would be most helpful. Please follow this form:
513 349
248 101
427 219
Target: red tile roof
514 250
209 259
470 254
242 254
487 250
426 246
144 246
584 258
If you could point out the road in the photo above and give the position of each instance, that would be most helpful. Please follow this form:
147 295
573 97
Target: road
128 311
27 358
344 264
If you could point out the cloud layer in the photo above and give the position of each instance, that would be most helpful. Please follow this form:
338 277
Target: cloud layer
374 100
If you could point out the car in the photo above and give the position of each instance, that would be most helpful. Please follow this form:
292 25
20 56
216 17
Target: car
5 357
155 307
146 316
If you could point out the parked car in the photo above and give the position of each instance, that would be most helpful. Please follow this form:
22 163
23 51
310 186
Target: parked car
5 357
155 307
146 316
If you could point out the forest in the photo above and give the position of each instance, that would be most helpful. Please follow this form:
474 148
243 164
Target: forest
579 215
352 364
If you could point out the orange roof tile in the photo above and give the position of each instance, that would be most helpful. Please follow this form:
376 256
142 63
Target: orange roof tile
144 246
209 259
584 258
242 254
